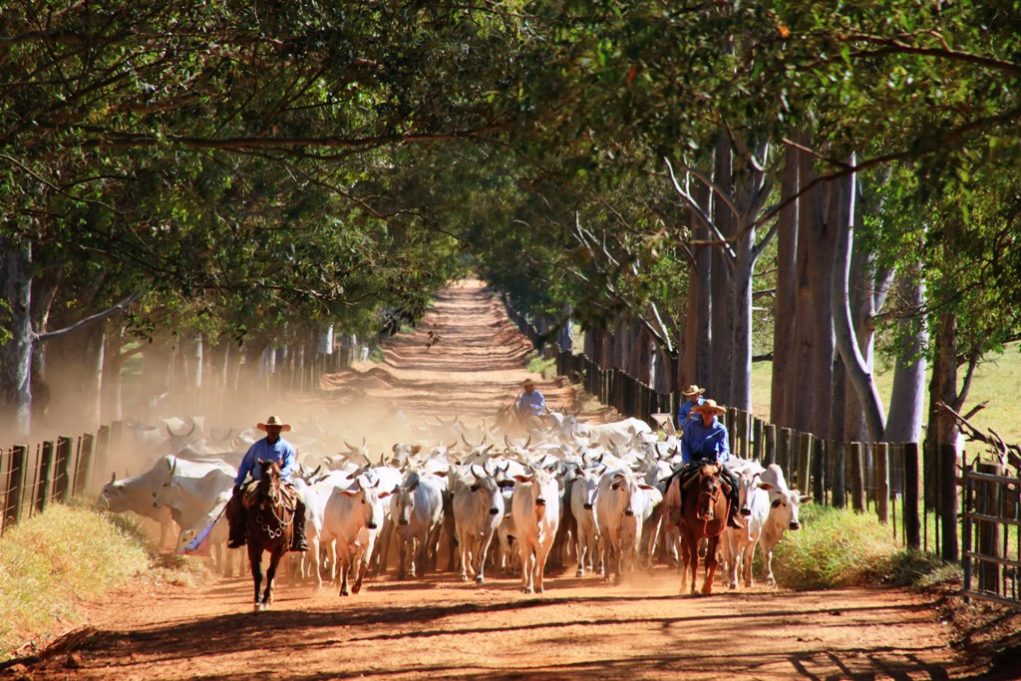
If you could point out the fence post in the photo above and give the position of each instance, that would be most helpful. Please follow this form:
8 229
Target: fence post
757 436
63 473
785 444
839 487
912 523
769 450
966 547
883 481
15 500
86 473
857 477
820 455
947 502
731 417
804 460
42 491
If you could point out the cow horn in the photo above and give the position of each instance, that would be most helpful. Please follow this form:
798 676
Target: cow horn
485 467
382 455
475 475
348 445
507 442
452 445
465 441
486 450
113 476
363 441
315 472
173 466
527 442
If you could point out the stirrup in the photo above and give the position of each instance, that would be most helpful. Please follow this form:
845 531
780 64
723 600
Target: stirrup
300 547
236 543
733 522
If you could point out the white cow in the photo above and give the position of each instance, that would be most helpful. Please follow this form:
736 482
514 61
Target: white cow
583 499
136 494
478 512
740 543
418 513
191 488
622 504
783 513
617 433
535 506
352 517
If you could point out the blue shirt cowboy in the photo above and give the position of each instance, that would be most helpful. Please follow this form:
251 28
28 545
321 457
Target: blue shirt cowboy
684 411
531 403
705 442
280 451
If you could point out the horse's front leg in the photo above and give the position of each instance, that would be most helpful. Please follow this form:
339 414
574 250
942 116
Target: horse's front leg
274 560
255 559
711 562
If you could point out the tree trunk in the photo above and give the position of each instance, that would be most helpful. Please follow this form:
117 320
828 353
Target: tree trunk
16 353
859 369
785 300
720 382
44 289
696 365
908 400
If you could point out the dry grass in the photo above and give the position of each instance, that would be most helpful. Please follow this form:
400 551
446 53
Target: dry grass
53 562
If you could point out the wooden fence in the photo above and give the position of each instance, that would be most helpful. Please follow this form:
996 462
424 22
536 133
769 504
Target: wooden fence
991 533
34 476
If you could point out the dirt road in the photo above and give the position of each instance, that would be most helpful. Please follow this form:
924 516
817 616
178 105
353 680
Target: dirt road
441 628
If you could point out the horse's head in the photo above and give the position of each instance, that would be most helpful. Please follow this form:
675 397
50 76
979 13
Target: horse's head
708 490
269 481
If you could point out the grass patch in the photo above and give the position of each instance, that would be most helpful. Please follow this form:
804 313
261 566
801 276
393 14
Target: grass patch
835 548
53 562
546 367
840 548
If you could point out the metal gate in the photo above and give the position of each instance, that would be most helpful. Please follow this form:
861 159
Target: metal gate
991 533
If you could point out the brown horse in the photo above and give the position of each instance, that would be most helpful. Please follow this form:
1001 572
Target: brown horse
270 524
703 515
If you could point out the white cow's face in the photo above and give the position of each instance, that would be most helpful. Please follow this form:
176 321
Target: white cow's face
368 501
786 503
487 490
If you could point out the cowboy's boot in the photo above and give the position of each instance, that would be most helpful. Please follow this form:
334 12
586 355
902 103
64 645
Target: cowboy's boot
238 531
298 542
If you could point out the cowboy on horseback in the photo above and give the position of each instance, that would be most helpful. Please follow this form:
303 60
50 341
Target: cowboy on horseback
270 448
705 439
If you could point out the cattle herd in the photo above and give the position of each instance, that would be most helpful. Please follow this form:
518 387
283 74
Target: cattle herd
475 501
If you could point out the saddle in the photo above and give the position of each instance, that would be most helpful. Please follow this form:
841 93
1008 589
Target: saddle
288 493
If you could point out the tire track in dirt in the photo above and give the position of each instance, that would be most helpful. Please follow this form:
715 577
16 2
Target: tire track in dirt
438 627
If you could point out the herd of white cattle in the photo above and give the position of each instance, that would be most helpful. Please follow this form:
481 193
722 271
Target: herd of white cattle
592 494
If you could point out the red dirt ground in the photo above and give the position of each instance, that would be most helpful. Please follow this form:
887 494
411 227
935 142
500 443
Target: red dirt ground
441 628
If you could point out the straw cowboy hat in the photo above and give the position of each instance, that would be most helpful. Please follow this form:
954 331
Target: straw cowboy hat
274 421
710 406
692 390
